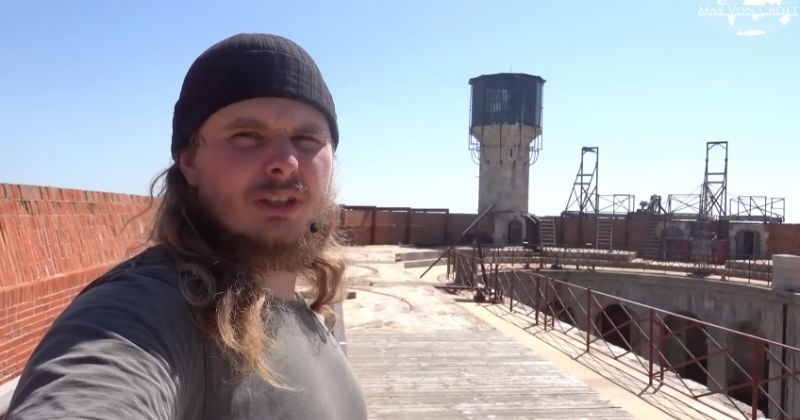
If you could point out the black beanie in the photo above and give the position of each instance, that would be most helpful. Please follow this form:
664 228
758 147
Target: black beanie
248 66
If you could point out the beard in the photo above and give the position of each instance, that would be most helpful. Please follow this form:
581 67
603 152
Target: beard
245 254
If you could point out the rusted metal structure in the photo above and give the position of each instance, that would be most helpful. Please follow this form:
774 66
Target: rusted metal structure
584 197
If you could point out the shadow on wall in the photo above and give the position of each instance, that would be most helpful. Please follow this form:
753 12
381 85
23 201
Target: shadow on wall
614 324
556 310
684 348
741 364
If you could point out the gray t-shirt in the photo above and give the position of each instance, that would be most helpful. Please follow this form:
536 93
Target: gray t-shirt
126 348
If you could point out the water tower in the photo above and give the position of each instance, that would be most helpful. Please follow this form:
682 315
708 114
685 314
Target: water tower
505 138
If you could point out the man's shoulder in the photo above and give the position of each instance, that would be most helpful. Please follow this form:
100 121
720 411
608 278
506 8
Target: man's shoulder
152 264
152 270
145 283
126 347
137 301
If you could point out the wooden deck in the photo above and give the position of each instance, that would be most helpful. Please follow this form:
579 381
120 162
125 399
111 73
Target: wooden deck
418 354
457 375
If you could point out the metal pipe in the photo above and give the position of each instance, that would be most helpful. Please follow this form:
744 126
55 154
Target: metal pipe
546 301
663 360
650 344
536 302
511 297
448 262
588 318
756 377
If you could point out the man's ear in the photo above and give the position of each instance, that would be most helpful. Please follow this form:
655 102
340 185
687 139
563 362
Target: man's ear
187 163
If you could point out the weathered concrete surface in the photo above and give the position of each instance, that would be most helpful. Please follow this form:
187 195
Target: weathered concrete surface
504 176
419 354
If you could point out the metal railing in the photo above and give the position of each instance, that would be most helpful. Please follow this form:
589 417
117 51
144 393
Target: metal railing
683 204
754 271
758 207
749 269
616 204
673 350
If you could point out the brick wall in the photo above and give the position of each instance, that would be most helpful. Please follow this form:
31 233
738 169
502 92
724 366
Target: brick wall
428 229
783 239
574 230
390 227
357 225
366 225
637 227
458 222
53 242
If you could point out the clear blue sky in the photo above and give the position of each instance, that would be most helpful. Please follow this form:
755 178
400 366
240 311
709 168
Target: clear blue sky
87 90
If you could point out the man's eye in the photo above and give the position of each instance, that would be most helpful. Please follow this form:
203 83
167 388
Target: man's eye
308 141
246 139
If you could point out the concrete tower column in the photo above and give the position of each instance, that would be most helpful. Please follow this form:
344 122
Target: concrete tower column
505 131
504 176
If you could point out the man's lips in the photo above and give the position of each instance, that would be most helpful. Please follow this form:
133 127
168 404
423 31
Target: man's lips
278 204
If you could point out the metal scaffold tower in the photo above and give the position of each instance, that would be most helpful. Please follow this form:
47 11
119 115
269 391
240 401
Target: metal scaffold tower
584 197
713 205
714 197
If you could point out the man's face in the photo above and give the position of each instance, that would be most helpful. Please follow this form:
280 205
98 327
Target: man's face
263 167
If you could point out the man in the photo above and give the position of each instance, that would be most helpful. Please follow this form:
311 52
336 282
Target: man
208 323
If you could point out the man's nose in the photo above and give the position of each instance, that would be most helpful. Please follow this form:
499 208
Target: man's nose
281 160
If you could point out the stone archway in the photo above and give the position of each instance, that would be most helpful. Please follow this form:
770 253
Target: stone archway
684 347
615 317
748 245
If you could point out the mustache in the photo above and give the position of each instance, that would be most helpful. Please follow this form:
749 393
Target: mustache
278 185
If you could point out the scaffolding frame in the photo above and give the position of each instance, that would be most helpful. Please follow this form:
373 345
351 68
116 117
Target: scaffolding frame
584 197
713 199
616 204
757 207
683 205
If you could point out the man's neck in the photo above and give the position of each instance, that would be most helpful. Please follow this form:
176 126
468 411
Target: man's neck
280 283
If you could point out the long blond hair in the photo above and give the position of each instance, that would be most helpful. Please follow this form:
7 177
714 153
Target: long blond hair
226 305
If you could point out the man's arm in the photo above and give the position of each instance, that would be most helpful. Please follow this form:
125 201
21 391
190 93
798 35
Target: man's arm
125 349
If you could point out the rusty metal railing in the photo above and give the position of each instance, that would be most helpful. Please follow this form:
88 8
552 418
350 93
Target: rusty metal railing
755 271
753 374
